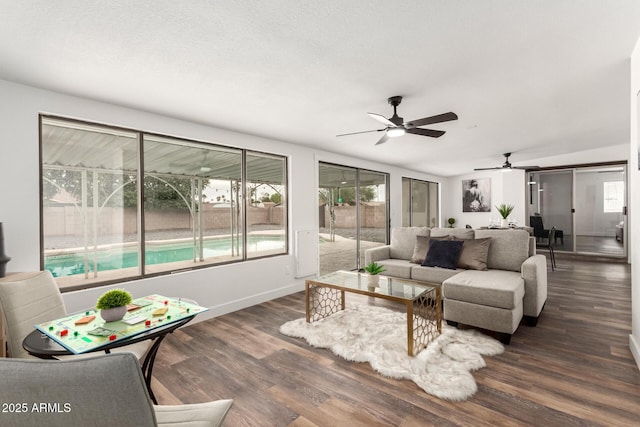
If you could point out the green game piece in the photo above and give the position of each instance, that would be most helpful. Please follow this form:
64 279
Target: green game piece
75 333
188 309
51 328
168 317
87 313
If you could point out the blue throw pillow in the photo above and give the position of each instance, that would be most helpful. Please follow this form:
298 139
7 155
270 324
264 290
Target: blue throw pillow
443 253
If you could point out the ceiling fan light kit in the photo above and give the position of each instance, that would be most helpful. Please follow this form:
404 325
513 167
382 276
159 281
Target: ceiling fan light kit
396 126
395 132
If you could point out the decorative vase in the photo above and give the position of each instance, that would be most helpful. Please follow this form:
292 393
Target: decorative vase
373 280
504 223
113 314
4 259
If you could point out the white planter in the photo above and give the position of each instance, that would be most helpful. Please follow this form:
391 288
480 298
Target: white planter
504 223
113 314
373 280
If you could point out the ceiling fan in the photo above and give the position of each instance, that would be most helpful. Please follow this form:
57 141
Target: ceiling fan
396 126
507 165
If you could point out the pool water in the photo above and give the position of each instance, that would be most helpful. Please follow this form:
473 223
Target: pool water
118 258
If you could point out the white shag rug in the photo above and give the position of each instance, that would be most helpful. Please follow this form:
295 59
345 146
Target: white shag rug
377 335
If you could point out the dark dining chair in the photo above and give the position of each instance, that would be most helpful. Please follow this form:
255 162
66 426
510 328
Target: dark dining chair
539 231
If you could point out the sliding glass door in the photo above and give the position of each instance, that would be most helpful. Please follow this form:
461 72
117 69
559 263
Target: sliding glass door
353 215
419 203
586 205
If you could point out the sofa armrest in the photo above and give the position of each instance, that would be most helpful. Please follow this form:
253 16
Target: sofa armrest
534 273
377 254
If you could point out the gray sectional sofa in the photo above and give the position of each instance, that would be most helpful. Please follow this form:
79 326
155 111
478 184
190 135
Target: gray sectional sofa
497 280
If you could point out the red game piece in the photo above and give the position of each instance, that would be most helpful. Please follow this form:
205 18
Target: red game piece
112 338
147 323
166 302
64 332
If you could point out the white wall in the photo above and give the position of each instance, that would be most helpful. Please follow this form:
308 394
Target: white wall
506 187
634 205
222 288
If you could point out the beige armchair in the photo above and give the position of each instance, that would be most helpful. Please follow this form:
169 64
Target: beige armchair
105 390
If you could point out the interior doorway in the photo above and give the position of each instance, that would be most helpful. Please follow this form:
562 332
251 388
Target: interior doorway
586 205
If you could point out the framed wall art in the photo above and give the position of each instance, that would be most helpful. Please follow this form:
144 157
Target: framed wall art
476 195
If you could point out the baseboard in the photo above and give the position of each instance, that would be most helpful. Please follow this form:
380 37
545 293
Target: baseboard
634 346
239 304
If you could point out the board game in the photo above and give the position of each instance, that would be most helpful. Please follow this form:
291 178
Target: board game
86 331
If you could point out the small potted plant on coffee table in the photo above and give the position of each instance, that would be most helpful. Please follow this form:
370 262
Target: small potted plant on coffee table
504 210
373 269
113 304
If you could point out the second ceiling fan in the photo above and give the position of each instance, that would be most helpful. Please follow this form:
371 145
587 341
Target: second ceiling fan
396 126
507 165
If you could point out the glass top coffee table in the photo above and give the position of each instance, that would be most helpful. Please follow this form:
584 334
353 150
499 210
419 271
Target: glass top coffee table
326 296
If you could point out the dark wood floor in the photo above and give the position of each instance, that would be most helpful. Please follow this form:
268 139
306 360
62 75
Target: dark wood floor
574 368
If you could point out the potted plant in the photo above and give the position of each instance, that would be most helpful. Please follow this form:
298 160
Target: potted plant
451 221
504 210
113 304
373 269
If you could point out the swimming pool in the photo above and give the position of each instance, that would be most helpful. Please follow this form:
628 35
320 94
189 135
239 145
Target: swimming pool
118 258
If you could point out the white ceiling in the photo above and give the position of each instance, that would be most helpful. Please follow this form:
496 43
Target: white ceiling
536 78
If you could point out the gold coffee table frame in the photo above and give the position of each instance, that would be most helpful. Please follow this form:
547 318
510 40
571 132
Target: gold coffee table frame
326 296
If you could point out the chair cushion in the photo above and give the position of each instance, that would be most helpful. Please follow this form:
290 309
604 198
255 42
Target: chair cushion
443 253
397 268
403 240
494 288
460 233
432 274
208 414
508 249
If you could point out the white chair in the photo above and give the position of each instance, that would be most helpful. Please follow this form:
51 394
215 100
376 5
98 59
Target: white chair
31 299
104 390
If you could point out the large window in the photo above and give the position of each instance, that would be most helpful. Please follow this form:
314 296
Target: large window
119 204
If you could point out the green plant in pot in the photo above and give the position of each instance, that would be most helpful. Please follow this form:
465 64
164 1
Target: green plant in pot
373 268
451 221
113 304
504 210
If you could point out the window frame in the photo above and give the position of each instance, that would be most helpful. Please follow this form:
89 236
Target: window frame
140 211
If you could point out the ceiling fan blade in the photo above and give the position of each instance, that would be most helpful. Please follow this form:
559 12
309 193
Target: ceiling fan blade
488 169
525 167
426 132
383 139
381 119
445 117
364 131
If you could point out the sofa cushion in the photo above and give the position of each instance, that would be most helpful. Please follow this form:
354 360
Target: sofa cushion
508 249
432 274
397 268
403 240
459 233
443 253
474 254
422 247
495 288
